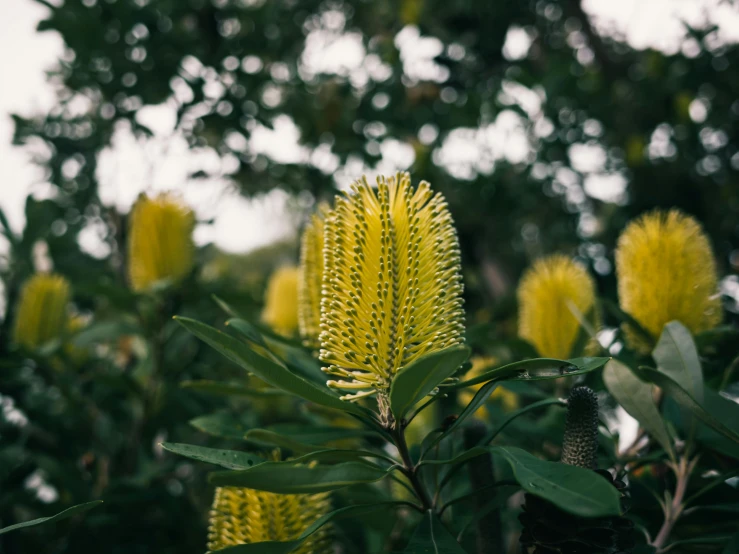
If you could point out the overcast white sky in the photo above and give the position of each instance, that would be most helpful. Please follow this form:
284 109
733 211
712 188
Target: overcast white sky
241 225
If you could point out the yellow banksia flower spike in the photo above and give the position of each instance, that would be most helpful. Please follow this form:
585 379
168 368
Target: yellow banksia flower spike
243 516
281 301
506 398
666 271
310 278
160 244
550 293
392 284
41 315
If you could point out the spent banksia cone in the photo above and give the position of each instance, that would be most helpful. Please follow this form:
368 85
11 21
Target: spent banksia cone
41 315
666 271
160 245
547 529
392 284
548 292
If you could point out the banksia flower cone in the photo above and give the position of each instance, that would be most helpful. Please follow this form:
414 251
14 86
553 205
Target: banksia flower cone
392 284
281 301
310 279
160 245
548 530
547 294
666 271
41 315
244 516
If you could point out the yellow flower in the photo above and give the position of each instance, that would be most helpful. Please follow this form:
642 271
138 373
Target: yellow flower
507 399
392 284
244 516
41 315
666 271
547 294
310 279
160 245
281 301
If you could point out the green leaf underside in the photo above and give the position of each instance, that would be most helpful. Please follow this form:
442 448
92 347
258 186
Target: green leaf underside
575 490
707 413
415 381
295 478
537 369
677 357
431 537
69 512
271 371
230 459
635 396
283 547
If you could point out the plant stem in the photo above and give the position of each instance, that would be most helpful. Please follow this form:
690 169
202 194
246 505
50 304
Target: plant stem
674 509
410 470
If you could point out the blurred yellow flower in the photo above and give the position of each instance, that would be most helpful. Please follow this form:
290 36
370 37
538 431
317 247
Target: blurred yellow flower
392 283
41 314
310 279
160 245
666 271
244 516
547 294
506 398
281 301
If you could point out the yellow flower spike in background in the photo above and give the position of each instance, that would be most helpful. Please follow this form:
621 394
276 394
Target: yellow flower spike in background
310 278
41 315
281 301
547 294
160 245
507 399
666 271
392 284
244 516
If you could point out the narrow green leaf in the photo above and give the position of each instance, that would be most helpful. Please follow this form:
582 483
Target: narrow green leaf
230 459
296 478
220 425
677 357
732 547
218 388
271 371
636 398
266 437
431 537
284 547
415 381
69 512
681 396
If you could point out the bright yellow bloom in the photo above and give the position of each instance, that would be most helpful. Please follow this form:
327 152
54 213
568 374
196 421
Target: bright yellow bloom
41 315
550 293
281 301
392 284
243 516
507 399
666 271
160 245
310 279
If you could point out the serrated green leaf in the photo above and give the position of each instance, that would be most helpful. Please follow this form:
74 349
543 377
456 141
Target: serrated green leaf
230 459
69 512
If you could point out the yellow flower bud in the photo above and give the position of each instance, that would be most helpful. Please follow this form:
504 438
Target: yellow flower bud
310 279
550 293
281 301
41 315
392 284
666 271
160 245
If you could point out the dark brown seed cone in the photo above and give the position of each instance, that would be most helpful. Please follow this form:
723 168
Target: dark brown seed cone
580 443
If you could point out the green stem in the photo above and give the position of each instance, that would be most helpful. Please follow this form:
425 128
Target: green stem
410 470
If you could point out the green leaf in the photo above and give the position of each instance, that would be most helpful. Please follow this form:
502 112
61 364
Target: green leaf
296 478
69 512
218 388
636 398
230 459
221 425
284 547
627 319
706 413
271 371
677 357
732 547
431 537
575 490
416 380
104 331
